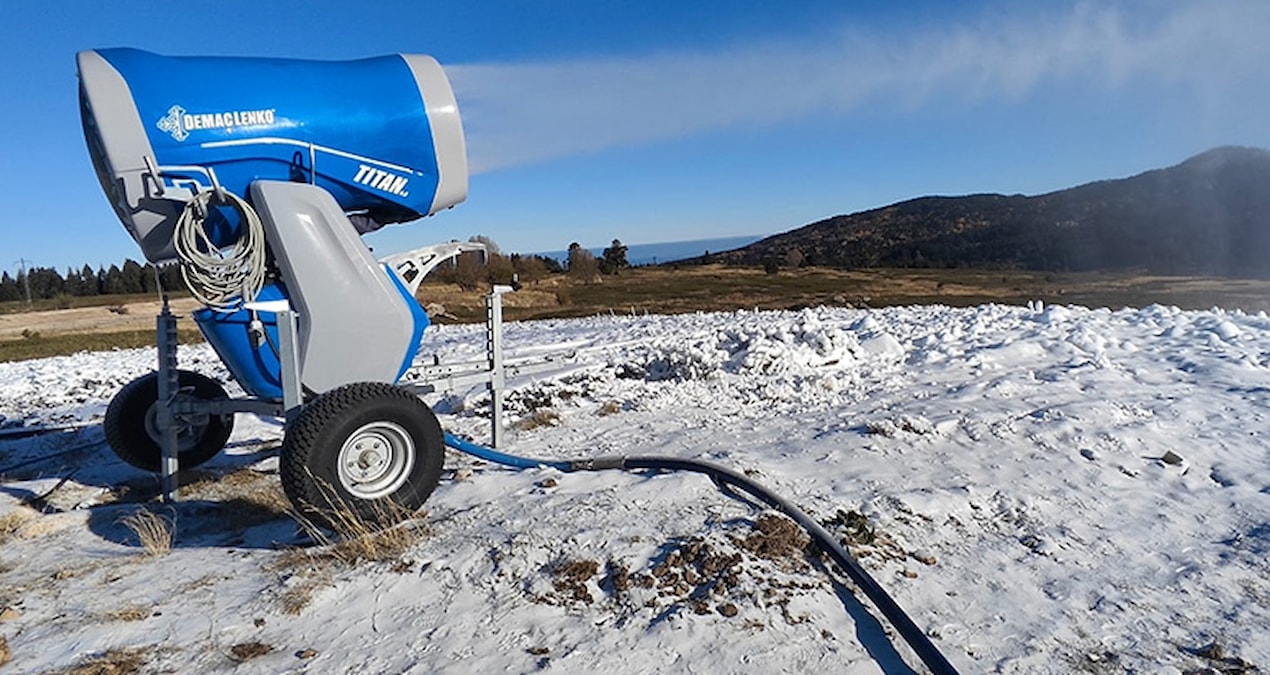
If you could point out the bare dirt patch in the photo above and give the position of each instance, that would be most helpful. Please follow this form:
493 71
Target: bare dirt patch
779 540
762 569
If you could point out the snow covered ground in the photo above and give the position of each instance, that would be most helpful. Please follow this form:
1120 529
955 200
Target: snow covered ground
1044 490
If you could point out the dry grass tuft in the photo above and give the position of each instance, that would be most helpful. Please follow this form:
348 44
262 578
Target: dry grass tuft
300 589
359 538
133 613
352 539
371 531
247 498
13 521
249 650
154 532
542 417
122 661
244 482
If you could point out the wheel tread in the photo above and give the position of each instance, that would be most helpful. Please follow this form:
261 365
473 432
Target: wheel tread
305 446
125 424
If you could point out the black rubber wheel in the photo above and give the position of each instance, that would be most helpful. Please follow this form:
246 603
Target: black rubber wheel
132 428
365 453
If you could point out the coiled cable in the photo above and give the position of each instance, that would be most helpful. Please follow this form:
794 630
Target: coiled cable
220 279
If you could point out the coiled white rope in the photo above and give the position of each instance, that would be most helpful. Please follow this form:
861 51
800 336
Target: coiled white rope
220 279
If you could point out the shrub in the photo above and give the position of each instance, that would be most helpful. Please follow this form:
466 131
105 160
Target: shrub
154 532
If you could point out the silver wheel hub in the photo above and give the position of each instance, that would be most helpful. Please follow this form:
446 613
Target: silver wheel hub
187 435
376 460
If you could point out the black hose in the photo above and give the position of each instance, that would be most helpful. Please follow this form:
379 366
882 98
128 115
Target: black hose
45 458
729 479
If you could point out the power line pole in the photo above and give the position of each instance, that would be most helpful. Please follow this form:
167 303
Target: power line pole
26 278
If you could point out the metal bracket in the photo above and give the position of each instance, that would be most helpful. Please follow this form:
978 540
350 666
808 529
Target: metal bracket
292 388
171 412
494 351
169 385
157 172
413 266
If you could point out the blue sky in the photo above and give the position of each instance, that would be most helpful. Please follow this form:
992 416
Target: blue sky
668 120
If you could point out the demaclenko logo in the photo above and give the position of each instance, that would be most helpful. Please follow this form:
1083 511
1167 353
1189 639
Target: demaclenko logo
180 123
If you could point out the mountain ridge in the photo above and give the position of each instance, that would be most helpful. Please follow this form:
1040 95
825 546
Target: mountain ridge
1208 215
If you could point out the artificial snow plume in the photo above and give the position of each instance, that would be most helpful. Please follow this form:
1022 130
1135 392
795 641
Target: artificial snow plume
522 113
1044 489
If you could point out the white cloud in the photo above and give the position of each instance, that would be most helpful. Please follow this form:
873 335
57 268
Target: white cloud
522 113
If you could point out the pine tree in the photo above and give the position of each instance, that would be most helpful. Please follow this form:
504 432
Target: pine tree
130 276
114 281
46 282
614 258
87 281
9 290
147 279
70 284
172 280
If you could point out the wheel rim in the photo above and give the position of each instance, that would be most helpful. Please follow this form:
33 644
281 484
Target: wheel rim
187 435
376 460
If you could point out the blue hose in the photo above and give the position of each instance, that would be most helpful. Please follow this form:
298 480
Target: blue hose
492 455
726 479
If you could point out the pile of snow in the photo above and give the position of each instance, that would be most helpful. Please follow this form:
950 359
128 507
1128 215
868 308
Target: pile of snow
1044 489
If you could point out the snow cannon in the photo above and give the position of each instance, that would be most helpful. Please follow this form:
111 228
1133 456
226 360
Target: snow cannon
381 136
258 176
285 163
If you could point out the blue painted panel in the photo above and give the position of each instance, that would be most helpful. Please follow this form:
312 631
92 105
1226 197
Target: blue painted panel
257 369
361 124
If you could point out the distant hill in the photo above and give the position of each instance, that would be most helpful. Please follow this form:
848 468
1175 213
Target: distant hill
665 252
1209 215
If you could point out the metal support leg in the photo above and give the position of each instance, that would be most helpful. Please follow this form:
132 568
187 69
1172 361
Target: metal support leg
169 384
494 348
292 388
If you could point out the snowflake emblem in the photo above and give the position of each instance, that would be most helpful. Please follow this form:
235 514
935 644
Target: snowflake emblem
172 123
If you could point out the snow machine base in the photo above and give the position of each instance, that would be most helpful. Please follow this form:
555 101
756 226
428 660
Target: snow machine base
363 453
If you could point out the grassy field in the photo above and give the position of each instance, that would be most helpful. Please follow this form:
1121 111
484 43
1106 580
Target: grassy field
68 325
716 287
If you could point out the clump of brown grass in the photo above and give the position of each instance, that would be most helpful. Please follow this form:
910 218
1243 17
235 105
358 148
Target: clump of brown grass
154 532
249 650
355 538
133 613
13 521
571 580
299 593
350 538
121 661
542 417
